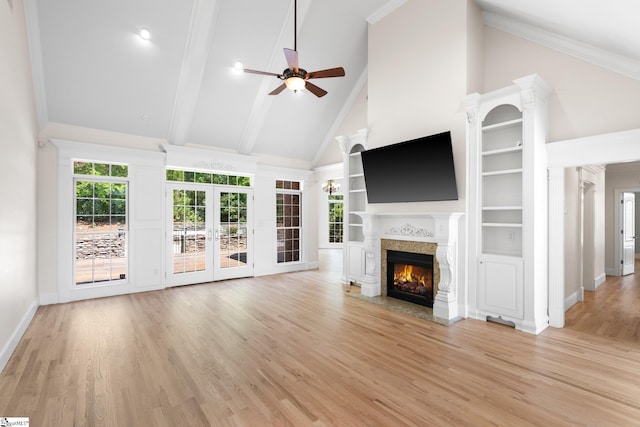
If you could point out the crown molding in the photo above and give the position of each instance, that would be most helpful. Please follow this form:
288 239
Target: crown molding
594 55
384 11
35 54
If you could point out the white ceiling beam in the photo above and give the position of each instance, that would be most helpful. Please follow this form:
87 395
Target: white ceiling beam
385 10
35 54
262 102
204 16
344 111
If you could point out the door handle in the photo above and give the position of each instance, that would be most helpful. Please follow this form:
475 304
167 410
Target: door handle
209 234
217 234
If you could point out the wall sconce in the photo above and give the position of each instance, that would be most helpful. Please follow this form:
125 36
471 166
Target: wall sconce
330 187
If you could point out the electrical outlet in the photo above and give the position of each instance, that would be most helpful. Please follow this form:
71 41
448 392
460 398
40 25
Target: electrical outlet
511 235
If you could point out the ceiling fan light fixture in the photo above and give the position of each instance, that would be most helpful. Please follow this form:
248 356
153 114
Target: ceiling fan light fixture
295 83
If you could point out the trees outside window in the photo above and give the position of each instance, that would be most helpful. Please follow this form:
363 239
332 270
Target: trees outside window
336 218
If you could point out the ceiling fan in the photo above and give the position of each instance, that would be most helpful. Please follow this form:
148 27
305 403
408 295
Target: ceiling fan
296 78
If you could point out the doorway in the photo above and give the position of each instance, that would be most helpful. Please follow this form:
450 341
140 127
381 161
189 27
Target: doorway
615 147
626 240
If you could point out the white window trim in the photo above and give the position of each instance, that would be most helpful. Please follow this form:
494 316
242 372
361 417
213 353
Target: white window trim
109 179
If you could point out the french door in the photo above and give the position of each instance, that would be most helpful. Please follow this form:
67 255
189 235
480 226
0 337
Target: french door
233 235
210 233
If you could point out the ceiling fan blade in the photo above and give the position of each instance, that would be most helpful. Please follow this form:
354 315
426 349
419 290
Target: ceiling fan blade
317 91
278 89
264 73
331 72
292 59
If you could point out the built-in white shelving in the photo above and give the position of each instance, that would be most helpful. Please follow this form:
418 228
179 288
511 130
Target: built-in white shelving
507 142
355 203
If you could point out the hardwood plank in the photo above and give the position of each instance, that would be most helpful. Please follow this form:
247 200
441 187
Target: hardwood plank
297 349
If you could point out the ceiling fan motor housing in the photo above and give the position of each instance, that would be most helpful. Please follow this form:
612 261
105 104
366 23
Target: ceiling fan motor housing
287 73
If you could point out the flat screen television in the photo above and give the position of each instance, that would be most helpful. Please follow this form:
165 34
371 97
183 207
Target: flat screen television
419 170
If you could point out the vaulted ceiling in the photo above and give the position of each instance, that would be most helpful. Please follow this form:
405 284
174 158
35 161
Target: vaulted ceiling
97 72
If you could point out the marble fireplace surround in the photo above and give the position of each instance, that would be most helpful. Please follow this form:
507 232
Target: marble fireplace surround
412 247
433 233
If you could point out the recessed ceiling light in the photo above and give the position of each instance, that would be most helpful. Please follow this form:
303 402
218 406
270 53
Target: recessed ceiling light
237 66
145 33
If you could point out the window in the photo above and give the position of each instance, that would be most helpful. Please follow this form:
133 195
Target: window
288 220
336 210
208 178
101 232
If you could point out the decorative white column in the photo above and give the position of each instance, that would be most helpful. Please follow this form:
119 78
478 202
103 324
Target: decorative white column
556 247
343 142
370 284
445 304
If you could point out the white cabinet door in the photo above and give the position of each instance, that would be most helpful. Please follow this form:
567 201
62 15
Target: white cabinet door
356 261
501 286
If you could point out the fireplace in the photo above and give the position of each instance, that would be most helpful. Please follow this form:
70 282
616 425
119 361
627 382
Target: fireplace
410 277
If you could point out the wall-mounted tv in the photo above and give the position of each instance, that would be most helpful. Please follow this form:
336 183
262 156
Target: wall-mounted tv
418 170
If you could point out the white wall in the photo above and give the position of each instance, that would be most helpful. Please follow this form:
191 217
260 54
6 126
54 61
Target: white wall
598 179
587 99
431 39
18 140
572 232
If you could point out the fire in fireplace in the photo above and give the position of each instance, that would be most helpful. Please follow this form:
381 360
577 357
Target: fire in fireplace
410 277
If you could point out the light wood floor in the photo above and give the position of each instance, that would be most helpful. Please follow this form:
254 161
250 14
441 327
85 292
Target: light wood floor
613 310
298 350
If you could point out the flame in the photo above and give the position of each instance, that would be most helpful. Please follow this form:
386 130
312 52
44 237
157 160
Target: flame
407 275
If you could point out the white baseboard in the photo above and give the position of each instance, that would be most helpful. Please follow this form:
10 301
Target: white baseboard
49 298
11 345
612 271
571 300
599 280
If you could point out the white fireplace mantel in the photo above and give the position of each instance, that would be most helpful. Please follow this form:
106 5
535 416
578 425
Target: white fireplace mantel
438 227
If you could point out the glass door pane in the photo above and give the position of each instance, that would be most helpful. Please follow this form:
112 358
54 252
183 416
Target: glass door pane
190 222
234 233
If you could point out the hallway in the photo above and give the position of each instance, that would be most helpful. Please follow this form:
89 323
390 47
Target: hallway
613 310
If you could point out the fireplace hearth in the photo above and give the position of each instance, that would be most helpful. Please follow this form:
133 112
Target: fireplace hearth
410 277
